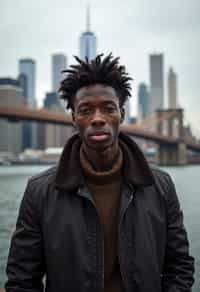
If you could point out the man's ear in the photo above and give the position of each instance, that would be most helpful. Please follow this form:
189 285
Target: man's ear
73 119
122 112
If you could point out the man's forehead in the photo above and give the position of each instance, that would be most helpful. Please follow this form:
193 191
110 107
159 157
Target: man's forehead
95 90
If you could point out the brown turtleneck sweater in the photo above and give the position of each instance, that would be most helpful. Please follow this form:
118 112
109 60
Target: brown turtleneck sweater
105 188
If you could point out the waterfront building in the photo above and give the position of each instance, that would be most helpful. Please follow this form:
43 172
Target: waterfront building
11 94
41 135
59 63
156 100
53 135
143 100
51 99
88 41
172 89
27 78
56 135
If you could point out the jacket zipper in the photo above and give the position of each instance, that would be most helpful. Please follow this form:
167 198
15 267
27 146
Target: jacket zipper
101 233
120 222
102 245
102 241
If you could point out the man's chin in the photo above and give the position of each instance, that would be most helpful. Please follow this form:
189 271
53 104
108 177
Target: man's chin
99 146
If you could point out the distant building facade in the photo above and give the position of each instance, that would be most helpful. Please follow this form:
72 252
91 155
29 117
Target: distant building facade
59 63
156 100
172 89
143 101
88 47
50 135
133 120
51 99
11 94
23 81
27 79
127 112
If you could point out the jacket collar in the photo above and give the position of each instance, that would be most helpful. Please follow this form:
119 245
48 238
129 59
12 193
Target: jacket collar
136 170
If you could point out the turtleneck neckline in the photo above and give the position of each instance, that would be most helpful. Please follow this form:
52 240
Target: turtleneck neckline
101 177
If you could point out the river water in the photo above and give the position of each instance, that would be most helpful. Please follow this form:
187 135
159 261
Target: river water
13 180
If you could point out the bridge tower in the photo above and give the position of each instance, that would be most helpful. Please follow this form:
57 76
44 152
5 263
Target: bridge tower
170 123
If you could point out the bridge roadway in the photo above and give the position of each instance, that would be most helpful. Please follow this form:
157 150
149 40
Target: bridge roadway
16 114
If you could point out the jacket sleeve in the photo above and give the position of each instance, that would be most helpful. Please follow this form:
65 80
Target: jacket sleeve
179 265
25 266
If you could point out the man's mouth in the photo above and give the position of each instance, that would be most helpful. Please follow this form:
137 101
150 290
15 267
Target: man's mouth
98 137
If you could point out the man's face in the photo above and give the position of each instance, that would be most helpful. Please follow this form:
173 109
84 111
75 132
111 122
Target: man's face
97 116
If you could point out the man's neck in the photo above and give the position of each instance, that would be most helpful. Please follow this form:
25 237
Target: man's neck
102 160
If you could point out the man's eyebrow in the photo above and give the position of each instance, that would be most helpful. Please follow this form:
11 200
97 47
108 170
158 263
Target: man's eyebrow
86 103
83 103
103 91
109 102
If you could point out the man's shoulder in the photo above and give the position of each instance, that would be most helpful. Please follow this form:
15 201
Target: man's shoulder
38 188
45 176
163 180
158 172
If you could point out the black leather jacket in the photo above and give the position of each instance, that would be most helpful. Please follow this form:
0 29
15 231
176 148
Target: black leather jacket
58 233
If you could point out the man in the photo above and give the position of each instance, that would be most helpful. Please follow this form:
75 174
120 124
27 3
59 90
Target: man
102 220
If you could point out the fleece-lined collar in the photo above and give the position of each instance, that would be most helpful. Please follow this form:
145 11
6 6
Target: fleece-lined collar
135 169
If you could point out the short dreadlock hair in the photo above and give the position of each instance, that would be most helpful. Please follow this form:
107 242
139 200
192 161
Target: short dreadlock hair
99 70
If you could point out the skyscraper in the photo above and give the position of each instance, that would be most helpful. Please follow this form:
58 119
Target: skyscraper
143 96
59 63
172 88
156 83
27 67
88 41
11 133
27 79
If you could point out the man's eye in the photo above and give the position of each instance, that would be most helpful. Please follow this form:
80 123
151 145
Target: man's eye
110 109
84 111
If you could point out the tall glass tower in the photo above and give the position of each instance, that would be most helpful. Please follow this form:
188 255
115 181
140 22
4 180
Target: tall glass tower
172 89
27 68
59 63
88 41
156 83
143 97
27 78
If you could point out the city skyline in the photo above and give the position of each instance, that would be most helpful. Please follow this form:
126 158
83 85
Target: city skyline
131 30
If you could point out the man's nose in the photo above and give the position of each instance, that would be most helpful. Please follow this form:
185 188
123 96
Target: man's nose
98 118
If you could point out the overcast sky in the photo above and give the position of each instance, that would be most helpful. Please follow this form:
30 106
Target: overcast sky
130 29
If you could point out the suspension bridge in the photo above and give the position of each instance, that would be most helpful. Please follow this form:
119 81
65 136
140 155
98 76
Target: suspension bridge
165 129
